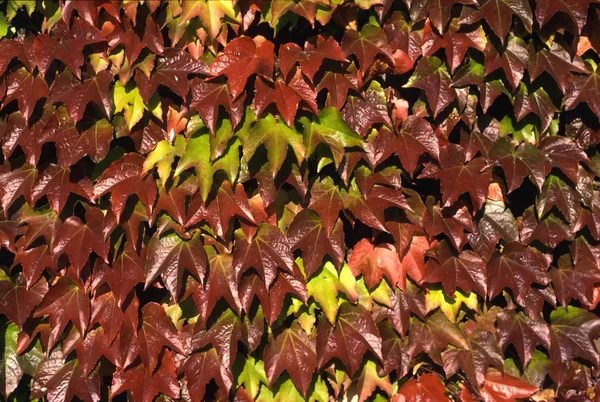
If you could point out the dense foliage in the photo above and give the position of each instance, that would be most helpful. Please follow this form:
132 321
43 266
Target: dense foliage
300 200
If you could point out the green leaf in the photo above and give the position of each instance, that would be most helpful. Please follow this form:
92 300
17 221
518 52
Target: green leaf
252 376
276 136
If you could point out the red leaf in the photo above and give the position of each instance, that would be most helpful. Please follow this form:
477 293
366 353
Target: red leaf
157 332
376 261
426 388
242 57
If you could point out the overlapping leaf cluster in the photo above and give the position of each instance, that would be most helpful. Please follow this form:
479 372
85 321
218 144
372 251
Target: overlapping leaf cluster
300 200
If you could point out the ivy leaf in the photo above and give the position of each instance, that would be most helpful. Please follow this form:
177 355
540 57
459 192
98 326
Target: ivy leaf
361 114
431 76
499 14
450 306
200 368
557 62
252 376
574 280
415 137
323 287
286 96
522 332
562 153
276 137
395 353
26 88
366 45
369 380
457 176
327 201
18 300
337 86
145 384
516 267
223 335
207 97
77 239
222 282
426 388
537 102
501 387
557 193
75 95
581 88
16 49
136 38
483 352
465 270
157 332
169 256
172 72
455 43
61 381
226 203
242 57
572 331
305 9
512 59
65 44
294 352
354 334
434 335
576 10
308 233
210 12
310 59
450 221
64 302
517 163
375 261
124 178
16 183
265 252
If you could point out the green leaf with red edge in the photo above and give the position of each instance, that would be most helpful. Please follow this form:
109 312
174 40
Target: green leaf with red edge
354 334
